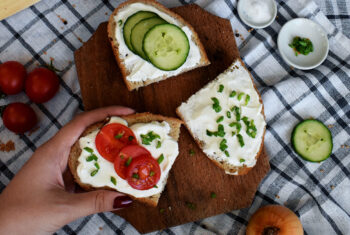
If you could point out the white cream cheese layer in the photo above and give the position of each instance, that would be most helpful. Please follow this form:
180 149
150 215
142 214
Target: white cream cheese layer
169 148
142 70
200 116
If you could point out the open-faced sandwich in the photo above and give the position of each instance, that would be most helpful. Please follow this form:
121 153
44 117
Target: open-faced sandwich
131 154
152 43
227 121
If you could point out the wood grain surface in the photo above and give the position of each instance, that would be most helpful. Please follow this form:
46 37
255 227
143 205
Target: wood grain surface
10 7
192 178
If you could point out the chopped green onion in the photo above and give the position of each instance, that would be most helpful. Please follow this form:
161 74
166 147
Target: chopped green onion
161 210
250 127
127 163
301 46
237 125
240 140
233 94
118 136
223 145
247 99
220 132
191 205
97 165
240 95
241 160
221 88
159 144
160 159
91 158
155 186
226 153
216 105
87 149
213 195
233 133
237 112
131 138
191 152
220 119
122 156
149 137
135 176
94 172
113 180
151 173
120 22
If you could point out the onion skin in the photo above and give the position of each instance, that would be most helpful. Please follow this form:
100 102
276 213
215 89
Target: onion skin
274 220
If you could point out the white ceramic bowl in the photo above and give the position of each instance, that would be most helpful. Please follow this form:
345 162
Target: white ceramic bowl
304 28
245 18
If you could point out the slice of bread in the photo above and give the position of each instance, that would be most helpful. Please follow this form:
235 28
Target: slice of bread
75 152
125 68
185 109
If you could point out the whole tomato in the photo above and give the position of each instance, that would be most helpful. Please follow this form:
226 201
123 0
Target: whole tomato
19 117
41 85
12 77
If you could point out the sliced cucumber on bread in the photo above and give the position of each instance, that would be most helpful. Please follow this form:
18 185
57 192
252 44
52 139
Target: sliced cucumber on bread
312 140
166 46
131 22
138 33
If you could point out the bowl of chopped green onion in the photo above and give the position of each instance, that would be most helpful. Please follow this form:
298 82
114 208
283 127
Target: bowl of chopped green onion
303 44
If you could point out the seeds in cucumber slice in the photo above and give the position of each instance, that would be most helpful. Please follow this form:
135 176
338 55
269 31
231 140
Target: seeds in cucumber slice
131 21
166 46
312 140
138 32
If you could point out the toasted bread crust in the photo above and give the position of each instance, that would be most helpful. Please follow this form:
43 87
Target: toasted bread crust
115 45
75 151
237 170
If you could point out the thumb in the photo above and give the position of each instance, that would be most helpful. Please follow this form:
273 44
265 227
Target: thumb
84 204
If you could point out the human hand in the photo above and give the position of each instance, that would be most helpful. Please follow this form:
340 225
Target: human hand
37 200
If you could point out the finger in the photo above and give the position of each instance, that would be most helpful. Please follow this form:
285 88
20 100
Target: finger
84 204
71 132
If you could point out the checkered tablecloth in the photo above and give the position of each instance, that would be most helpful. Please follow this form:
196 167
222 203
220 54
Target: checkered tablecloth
317 192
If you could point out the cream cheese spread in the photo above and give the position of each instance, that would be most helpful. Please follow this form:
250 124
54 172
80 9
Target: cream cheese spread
140 69
169 148
200 116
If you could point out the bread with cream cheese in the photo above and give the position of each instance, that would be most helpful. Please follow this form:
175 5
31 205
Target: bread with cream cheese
125 68
191 110
75 151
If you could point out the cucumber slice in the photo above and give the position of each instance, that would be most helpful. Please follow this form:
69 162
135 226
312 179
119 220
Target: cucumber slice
131 21
312 140
166 46
138 32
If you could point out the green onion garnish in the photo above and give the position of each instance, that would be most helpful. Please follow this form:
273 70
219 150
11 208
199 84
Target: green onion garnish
237 125
113 180
241 160
131 138
247 99
160 159
94 172
120 22
240 140
135 176
216 105
220 119
127 163
228 114
159 144
301 45
155 186
223 145
226 153
161 210
91 158
97 165
191 152
221 88
213 195
149 137
118 136
191 205
220 132
240 95
233 94
237 112
87 149
151 173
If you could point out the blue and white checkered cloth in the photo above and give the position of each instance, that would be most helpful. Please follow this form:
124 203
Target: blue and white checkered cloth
317 192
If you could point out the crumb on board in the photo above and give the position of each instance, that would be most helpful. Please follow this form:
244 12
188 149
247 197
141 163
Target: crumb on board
106 13
73 5
321 170
100 228
278 197
330 126
52 59
291 67
64 21
8 146
250 30
45 53
332 186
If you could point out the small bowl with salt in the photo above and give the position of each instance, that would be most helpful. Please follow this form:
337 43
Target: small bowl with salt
257 13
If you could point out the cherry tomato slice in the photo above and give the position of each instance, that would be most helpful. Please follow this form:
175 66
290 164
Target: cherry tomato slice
125 157
143 172
112 138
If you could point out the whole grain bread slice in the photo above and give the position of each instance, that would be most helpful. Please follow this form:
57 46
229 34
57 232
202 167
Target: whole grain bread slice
115 44
237 170
75 151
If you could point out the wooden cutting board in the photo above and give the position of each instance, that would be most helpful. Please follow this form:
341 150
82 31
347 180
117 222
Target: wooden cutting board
10 7
192 178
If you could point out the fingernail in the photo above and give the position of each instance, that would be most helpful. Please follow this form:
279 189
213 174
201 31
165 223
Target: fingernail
122 202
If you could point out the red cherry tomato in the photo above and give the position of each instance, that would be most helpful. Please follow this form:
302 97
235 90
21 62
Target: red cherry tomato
143 172
19 117
112 138
12 77
125 156
41 85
